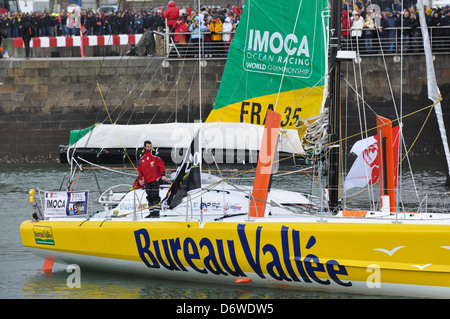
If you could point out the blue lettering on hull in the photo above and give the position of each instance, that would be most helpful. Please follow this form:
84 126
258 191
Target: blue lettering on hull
308 269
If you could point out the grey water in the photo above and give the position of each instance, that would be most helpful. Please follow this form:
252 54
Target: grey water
21 276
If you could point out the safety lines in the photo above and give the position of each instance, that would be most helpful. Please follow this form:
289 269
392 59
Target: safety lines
112 123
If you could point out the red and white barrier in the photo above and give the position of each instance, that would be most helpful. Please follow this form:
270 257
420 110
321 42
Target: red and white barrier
75 41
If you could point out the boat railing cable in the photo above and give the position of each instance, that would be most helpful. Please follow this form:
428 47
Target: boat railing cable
105 168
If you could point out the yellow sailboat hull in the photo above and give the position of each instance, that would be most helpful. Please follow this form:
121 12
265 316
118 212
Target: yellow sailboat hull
379 258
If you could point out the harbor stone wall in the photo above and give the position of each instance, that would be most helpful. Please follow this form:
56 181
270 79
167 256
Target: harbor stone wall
43 99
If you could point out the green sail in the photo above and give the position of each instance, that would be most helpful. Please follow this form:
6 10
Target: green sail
277 61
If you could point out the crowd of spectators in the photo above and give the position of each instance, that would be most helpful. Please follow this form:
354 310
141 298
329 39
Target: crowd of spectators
214 27
132 21
362 23
375 25
69 23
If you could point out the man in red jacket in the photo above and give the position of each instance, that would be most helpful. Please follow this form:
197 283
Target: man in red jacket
150 169
171 14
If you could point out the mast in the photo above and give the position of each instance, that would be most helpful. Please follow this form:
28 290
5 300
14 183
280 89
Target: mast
200 57
334 102
433 90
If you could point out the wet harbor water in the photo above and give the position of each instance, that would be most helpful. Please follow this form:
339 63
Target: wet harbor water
21 275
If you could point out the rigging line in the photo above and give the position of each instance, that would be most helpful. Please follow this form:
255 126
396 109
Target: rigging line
185 96
163 103
346 112
99 76
248 191
361 85
171 90
420 131
111 37
359 96
241 174
358 101
396 120
106 168
339 104
134 102
209 148
401 86
403 158
235 89
368 130
118 137
127 97
285 63
362 125
116 74
387 71
353 196
402 140
234 177
309 92
357 134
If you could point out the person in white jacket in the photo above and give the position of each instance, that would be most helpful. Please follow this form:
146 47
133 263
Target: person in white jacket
357 28
226 29
357 25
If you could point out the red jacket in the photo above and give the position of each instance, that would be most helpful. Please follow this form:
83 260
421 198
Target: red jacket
346 23
171 13
150 168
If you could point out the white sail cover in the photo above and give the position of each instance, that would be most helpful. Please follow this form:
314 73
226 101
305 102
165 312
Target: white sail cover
433 90
216 135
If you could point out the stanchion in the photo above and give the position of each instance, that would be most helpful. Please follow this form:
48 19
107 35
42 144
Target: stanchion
81 41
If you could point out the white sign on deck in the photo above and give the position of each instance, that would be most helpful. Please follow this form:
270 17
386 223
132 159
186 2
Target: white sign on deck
66 204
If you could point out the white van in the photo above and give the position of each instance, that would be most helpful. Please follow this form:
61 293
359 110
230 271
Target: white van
108 7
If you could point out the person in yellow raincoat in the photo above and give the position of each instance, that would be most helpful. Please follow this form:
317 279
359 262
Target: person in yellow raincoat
215 27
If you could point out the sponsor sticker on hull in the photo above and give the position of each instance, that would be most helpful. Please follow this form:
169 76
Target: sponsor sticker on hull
43 235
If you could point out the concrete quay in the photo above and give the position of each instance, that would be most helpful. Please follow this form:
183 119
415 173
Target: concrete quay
43 99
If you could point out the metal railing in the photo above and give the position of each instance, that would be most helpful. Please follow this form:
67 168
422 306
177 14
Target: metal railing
390 42
393 41
184 45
